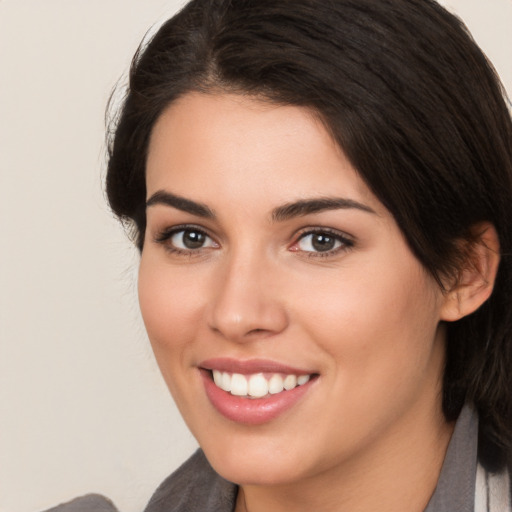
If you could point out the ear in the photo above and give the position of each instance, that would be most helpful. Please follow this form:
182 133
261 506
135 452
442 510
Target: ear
476 279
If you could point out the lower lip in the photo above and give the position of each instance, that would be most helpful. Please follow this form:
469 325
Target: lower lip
252 411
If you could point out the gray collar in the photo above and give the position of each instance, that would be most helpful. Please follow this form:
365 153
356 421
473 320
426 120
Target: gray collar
455 491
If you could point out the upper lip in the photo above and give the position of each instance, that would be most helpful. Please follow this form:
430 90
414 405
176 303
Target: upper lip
226 364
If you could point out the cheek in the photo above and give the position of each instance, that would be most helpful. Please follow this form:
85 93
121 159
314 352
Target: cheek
169 307
377 326
380 334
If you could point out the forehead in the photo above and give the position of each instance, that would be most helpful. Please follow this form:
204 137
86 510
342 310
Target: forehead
246 148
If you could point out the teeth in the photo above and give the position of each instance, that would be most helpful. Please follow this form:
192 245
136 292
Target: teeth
256 385
225 382
290 382
275 384
239 385
217 378
302 379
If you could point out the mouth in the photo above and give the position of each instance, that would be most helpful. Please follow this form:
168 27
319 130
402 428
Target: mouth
257 385
253 392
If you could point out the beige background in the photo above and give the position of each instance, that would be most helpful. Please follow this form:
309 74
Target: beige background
82 406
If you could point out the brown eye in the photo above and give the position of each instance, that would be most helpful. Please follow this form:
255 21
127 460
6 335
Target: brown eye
323 242
191 239
319 242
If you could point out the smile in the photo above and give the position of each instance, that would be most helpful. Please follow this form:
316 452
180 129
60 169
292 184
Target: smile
254 392
257 385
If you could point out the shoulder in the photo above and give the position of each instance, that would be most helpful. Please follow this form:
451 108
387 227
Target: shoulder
88 503
194 487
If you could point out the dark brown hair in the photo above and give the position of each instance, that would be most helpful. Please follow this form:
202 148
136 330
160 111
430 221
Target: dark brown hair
414 104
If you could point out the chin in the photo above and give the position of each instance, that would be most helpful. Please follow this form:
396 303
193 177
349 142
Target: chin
248 469
249 457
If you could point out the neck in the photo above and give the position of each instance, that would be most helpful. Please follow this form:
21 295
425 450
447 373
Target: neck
399 473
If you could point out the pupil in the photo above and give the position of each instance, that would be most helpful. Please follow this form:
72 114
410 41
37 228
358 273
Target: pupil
322 242
193 239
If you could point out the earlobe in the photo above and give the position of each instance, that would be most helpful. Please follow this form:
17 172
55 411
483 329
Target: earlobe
476 279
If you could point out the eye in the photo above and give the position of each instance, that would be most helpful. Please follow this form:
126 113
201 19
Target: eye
318 242
191 239
322 242
182 239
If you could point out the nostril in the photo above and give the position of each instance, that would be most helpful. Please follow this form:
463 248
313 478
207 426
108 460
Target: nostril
256 331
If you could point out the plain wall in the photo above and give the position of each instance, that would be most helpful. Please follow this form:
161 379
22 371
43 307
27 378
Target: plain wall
82 405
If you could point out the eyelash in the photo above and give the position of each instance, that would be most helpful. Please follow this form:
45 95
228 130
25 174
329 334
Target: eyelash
345 242
164 237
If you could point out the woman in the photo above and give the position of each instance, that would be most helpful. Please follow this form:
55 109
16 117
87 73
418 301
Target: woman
322 196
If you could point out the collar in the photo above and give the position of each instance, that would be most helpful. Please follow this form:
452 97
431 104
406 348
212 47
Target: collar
455 491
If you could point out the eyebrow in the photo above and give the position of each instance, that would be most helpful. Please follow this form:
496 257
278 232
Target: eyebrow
308 206
180 203
281 213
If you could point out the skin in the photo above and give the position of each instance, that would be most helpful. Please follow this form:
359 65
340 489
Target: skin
369 434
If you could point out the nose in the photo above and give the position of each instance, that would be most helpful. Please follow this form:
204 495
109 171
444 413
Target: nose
247 303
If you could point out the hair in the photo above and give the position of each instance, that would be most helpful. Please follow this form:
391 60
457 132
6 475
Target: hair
414 104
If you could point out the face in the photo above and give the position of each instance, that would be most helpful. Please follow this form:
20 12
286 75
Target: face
288 316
